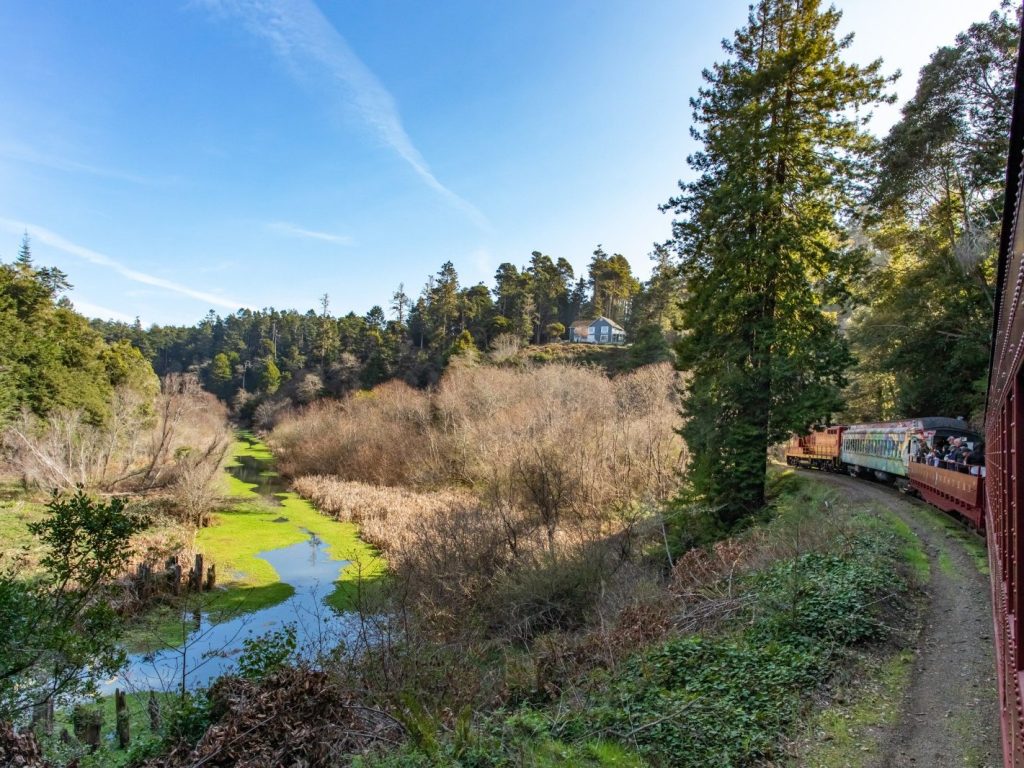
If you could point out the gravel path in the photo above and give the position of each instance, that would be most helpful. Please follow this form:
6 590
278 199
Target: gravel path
950 714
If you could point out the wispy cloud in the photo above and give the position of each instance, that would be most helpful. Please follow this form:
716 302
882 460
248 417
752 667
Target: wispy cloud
89 309
306 40
287 228
26 154
52 239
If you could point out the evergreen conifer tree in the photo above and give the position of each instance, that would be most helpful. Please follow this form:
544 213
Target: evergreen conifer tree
762 246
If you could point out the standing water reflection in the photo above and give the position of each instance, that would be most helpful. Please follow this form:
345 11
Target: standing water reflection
213 641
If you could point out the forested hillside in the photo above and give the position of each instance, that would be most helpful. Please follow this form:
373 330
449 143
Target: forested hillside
256 352
50 357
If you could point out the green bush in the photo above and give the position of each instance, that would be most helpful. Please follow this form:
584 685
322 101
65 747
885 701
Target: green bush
726 700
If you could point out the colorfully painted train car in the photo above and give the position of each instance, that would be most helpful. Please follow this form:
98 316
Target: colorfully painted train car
1004 447
886 450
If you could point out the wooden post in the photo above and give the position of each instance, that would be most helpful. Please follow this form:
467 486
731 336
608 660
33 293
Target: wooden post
211 577
174 576
123 725
42 716
196 578
153 706
144 581
88 723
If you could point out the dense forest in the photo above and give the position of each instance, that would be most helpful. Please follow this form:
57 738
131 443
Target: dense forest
252 354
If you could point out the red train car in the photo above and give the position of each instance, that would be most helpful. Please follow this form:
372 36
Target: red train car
1004 454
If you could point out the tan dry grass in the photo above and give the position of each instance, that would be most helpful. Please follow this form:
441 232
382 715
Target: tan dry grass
537 469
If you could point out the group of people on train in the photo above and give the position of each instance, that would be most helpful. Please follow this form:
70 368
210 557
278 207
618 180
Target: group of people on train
956 453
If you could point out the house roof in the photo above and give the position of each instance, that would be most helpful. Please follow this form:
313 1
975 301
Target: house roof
612 323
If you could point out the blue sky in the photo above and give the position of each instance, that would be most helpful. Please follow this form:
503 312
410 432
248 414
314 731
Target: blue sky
174 157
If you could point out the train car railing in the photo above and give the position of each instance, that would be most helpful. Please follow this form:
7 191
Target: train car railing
951 490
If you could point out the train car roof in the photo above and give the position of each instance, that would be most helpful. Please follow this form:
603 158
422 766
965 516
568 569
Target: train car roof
925 422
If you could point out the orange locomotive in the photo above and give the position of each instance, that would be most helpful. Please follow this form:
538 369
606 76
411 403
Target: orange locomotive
819 449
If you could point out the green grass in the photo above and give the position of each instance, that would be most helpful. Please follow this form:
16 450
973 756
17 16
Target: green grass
239 533
17 510
913 553
250 445
595 754
946 564
972 542
845 735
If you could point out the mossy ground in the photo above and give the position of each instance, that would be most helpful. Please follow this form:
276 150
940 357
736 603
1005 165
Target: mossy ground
17 510
846 733
246 525
251 525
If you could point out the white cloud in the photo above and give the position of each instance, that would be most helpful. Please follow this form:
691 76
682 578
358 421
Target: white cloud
89 309
306 40
26 154
52 239
290 229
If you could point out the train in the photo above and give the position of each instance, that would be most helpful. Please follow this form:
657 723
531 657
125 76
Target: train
895 452
1004 444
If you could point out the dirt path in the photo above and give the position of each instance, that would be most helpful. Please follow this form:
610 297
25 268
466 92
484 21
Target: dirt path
950 714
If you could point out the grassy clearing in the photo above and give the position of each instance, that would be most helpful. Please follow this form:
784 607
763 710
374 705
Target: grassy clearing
17 510
973 543
251 526
847 733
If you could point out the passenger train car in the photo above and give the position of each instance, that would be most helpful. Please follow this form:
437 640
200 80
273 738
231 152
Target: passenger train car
1004 447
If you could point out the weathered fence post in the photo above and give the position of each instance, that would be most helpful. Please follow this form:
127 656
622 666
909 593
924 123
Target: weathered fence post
195 580
124 737
153 706
174 574
88 723
144 578
211 576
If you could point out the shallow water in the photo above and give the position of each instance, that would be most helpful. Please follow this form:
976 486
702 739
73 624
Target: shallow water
212 649
260 473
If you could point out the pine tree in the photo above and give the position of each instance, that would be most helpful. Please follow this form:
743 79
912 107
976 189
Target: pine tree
270 376
937 207
761 245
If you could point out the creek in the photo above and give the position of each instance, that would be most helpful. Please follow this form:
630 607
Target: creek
212 641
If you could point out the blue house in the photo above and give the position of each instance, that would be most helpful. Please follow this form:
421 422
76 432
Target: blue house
598 331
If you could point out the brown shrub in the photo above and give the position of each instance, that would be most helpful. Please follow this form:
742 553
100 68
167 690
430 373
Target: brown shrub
547 462
295 717
370 436
142 445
